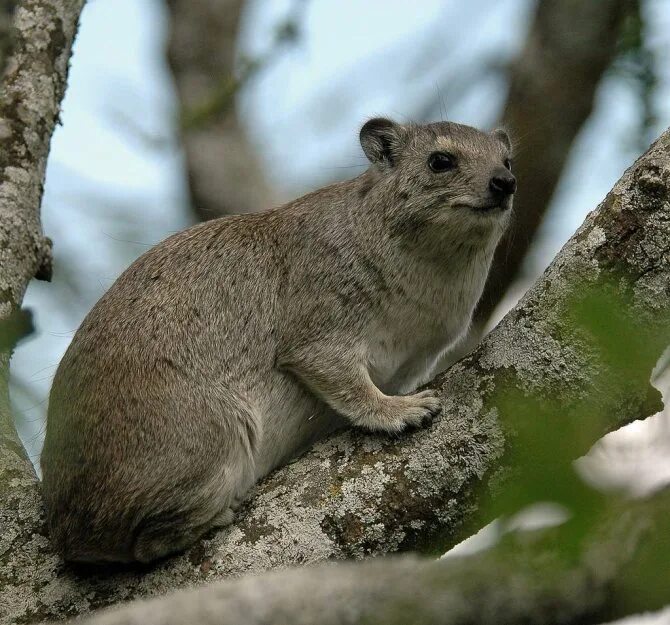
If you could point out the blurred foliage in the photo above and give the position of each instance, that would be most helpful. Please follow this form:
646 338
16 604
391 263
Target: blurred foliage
547 433
646 582
18 325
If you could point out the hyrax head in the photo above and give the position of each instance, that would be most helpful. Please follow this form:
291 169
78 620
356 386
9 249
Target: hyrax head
447 173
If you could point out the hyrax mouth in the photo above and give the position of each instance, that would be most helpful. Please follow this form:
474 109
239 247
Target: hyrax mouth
497 207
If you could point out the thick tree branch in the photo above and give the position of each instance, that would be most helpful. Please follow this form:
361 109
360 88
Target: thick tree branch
521 580
31 91
357 494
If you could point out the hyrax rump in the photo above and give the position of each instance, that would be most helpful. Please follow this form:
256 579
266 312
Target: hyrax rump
227 349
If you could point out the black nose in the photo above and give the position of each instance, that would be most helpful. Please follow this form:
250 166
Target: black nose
503 183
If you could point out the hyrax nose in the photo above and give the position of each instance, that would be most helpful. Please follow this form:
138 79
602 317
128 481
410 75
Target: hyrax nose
502 183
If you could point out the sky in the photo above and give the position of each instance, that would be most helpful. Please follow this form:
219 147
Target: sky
115 183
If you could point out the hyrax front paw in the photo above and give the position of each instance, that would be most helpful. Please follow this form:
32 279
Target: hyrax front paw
396 413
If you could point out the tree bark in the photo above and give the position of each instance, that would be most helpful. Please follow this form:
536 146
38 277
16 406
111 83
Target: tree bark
356 494
519 581
35 63
553 82
225 176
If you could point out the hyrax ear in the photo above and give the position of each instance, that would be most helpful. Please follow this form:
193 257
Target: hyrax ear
381 140
503 137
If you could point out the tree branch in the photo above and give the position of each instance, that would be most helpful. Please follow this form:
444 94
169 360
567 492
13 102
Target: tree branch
521 580
357 494
32 87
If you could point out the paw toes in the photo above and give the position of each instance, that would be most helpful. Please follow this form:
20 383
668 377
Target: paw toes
427 420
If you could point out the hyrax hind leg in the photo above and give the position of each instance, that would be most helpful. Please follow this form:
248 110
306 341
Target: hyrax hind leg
171 535
202 495
342 380
165 533
223 518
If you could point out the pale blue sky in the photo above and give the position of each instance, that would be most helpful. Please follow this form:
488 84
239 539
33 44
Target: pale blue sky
115 182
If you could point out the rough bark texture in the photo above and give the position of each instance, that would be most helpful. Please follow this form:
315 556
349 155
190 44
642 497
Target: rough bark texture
32 88
553 83
520 581
355 494
225 177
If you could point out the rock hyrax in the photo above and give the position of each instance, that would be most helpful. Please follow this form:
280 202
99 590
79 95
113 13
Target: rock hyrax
227 349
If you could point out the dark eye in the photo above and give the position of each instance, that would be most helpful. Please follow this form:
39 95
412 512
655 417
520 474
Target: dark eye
508 164
441 161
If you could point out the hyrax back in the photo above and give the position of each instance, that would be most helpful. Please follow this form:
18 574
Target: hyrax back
230 347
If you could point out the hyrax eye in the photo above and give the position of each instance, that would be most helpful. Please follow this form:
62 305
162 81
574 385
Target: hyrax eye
508 164
441 161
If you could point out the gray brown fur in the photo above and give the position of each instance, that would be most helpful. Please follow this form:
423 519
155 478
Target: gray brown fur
230 347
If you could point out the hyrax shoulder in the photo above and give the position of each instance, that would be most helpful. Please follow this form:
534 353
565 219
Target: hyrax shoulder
230 347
